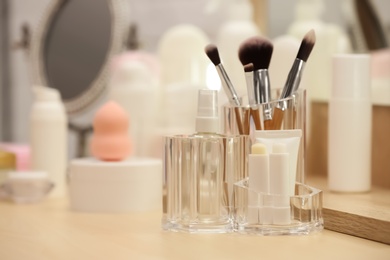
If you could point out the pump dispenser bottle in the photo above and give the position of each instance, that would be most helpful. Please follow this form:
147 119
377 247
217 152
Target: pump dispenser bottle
199 172
211 168
350 116
207 120
48 137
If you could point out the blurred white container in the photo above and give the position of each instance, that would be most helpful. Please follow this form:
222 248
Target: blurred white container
48 137
350 123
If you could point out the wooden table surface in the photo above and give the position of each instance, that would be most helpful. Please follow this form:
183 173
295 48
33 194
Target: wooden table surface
365 215
50 230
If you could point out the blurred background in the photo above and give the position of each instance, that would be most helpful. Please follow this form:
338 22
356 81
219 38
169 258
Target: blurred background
19 20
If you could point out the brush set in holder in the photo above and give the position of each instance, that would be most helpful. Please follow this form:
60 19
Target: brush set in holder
251 178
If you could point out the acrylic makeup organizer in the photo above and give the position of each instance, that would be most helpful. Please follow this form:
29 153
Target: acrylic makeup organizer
225 196
294 117
305 204
305 211
197 196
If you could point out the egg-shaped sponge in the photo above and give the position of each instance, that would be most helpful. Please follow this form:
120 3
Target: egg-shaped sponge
110 140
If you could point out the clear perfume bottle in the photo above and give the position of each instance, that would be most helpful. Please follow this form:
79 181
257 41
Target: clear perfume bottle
210 167
199 171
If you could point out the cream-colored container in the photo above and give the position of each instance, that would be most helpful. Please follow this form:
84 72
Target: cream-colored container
48 137
183 72
134 88
122 186
350 125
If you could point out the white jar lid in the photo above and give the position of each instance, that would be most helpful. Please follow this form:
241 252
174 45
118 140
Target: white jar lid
131 185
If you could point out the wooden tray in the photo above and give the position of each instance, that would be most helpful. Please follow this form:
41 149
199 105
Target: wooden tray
365 215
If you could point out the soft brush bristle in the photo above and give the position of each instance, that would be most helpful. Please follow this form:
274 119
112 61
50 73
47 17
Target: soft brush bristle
213 54
248 67
256 50
307 45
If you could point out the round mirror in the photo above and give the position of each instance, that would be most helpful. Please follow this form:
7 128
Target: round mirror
73 46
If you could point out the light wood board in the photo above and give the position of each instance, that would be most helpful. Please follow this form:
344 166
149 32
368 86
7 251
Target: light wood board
365 215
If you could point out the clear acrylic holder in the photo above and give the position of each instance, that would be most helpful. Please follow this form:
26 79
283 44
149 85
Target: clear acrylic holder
260 213
199 173
293 117
205 183
253 212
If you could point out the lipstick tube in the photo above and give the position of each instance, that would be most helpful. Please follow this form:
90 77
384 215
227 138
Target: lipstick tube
259 211
279 184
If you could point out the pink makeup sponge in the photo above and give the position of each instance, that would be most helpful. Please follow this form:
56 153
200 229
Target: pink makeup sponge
110 140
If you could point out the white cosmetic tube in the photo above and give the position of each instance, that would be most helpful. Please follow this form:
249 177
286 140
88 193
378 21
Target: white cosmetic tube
279 183
258 171
291 138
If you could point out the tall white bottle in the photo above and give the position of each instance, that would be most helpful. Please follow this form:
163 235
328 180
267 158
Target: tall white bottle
134 87
238 27
183 72
350 123
48 137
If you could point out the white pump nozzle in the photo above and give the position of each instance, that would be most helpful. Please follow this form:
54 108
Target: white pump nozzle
207 118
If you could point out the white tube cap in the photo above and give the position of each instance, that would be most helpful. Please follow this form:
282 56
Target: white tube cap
207 118
351 76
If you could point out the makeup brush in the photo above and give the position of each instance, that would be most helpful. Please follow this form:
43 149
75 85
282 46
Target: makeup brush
248 68
258 51
212 52
294 76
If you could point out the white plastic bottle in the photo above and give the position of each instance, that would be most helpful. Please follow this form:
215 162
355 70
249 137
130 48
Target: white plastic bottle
183 72
134 88
183 66
350 113
238 27
48 137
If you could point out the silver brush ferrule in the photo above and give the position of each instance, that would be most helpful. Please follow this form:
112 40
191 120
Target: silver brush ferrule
292 82
228 86
262 91
293 79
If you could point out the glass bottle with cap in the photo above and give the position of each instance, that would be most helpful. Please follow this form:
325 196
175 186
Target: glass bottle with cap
210 151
